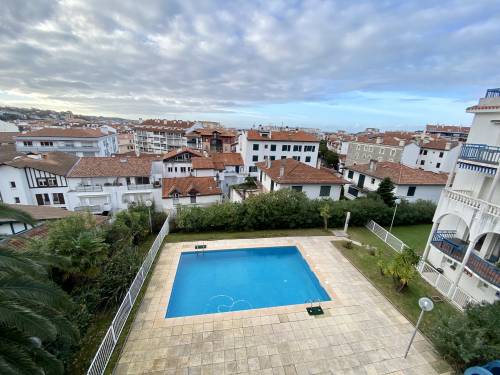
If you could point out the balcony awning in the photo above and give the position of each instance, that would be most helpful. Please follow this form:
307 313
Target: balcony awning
477 168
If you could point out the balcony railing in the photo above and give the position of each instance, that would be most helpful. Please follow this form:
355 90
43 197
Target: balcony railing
484 269
88 188
480 153
466 199
96 208
446 242
140 187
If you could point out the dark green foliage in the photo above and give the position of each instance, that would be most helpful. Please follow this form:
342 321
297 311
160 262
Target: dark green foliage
472 338
287 208
330 158
385 191
401 266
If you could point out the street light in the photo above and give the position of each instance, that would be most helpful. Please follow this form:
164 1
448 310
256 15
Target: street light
425 305
397 201
148 204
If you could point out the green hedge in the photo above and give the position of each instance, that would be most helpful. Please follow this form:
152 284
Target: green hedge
291 209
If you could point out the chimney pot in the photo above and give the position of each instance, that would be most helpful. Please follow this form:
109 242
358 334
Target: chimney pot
373 165
379 140
447 146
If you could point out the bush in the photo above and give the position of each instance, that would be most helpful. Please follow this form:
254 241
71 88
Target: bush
347 245
287 208
472 338
401 267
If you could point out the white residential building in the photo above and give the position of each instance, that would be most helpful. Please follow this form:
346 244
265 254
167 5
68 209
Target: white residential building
463 249
258 145
160 136
104 185
225 167
37 179
126 143
438 155
410 183
450 132
76 141
189 191
292 174
178 162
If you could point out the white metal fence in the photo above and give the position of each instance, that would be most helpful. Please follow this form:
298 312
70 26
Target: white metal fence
456 295
385 236
108 344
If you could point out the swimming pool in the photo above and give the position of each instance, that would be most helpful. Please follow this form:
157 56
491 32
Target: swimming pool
241 279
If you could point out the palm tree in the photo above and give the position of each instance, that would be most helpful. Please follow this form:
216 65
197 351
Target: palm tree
31 310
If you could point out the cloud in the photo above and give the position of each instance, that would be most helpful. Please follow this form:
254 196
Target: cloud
155 56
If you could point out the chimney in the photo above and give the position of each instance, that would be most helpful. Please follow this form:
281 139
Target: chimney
373 165
282 169
268 162
447 146
402 142
379 140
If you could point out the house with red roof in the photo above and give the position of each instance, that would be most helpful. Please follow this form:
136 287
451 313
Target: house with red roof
189 191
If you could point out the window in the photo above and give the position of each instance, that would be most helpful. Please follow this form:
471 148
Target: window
393 152
17 200
253 168
266 146
422 162
142 180
324 191
192 198
41 181
12 184
297 188
421 151
272 157
28 143
46 143
425 152
309 148
411 191
273 147
42 199
297 148
350 174
52 181
255 158
283 157
183 169
308 159
58 198
286 148
358 147
441 154
296 157
256 147
170 169
373 181
438 165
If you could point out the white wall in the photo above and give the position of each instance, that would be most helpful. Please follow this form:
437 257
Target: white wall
410 155
432 158
21 190
202 200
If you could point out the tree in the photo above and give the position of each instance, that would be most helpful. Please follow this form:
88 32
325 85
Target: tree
325 212
385 190
469 339
31 311
401 267
331 159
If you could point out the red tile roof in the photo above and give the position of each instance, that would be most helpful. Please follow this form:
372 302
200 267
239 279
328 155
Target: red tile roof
438 144
483 108
185 186
448 128
40 212
64 133
387 140
282 136
179 151
115 166
8 137
58 163
296 172
208 132
218 161
401 174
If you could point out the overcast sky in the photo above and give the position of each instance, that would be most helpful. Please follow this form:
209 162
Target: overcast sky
330 64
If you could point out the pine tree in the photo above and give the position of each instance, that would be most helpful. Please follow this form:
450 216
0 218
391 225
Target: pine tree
385 191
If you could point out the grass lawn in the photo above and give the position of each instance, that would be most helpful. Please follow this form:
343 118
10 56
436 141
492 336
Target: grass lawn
208 236
98 327
414 236
406 302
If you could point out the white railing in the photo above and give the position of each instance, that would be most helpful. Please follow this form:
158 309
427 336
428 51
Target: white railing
386 236
101 358
456 295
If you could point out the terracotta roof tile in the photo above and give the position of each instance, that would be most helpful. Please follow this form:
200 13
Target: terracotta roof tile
40 212
186 185
296 172
282 136
8 137
401 174
64 133
439 144
180 151
115 166
448 128
59 163
218 161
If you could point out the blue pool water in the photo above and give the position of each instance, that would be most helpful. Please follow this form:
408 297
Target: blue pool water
242 279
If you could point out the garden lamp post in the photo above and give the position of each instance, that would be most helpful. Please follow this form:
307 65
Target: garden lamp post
149 203
425 305
397 201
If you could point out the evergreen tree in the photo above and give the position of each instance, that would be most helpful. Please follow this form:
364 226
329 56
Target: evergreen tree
385 190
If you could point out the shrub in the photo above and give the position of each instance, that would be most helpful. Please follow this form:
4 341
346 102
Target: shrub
401 267
472 338
347 245
385 190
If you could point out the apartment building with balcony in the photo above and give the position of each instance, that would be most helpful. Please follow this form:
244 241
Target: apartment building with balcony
259 145
160 136
450 132
104 185
463 248
410 183
77 141
189 191
213 139
225 167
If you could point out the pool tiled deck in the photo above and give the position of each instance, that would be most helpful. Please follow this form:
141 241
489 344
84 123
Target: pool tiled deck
360 332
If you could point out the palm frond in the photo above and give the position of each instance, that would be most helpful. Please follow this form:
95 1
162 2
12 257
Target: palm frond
15 353
10 212
11 259
50 364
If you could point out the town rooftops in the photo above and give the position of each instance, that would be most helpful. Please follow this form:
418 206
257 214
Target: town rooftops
400 174
218 161
208 132
58 163
64 133
169 123
187 186
39 212
281 136
115 166
446 128
8 137
291 171
382 139
179 151
439 144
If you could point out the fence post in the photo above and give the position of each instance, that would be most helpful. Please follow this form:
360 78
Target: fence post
113 333
129 297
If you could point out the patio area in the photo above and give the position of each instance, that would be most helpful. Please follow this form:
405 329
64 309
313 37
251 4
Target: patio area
360 332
